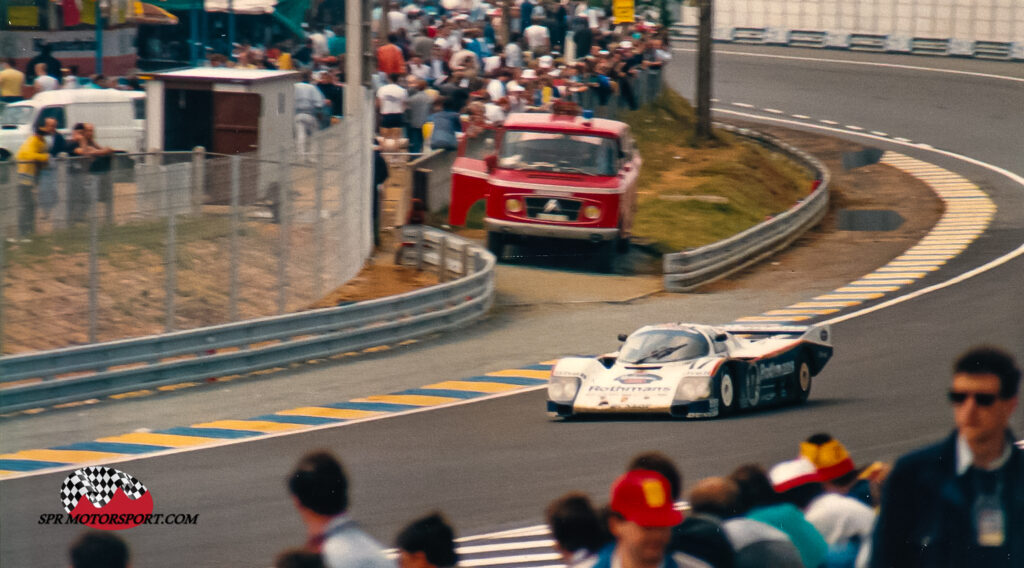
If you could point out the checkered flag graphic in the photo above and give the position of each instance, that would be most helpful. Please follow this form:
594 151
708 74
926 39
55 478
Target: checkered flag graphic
98 484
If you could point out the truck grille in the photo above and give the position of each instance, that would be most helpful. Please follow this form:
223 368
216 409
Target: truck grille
560 210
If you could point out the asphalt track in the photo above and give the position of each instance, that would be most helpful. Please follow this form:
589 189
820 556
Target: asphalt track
494 464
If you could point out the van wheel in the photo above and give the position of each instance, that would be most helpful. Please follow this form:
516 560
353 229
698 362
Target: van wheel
623 245
496 244
606 253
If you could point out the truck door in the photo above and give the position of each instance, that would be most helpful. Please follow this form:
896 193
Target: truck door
470 173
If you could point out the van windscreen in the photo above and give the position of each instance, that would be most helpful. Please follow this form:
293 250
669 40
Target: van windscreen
17 114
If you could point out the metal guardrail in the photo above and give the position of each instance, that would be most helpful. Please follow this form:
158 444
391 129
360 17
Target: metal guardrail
64 375
685 271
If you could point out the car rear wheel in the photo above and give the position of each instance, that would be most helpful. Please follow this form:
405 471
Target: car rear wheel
751 387
725 389
496 244
802 381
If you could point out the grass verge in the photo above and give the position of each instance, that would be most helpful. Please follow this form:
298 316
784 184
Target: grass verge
692 194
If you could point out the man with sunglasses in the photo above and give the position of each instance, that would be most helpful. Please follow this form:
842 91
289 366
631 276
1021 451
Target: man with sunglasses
961 502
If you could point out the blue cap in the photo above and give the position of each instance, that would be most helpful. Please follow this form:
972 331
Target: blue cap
588 114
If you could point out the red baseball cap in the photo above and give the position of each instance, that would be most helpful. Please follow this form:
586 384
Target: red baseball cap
644 497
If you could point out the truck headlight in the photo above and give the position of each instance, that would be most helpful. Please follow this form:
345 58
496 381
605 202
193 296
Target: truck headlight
591 212
513 205
563 389
693 389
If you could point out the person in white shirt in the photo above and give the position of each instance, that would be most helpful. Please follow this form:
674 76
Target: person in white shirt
43 81
496 87
513 53
420 69
537 38
495 111
308 103
397 19
391 99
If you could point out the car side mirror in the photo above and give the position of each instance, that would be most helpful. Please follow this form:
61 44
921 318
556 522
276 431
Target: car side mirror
622 336
491 162
721 337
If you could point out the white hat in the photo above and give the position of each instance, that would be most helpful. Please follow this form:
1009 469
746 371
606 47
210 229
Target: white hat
517 88
546 61
793 473
529 74
439 42
626 45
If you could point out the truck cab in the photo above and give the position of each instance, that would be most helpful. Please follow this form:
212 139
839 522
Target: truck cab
553 176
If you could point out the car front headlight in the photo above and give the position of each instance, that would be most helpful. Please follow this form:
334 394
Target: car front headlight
591 212
513 205
693 389
563 389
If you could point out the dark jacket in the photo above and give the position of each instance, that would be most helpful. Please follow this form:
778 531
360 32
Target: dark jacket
702 536
60 144
926 517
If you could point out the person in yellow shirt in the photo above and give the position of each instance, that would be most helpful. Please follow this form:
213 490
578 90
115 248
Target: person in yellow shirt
32 156
12 82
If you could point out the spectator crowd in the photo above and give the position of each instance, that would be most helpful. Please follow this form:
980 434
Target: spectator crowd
957 503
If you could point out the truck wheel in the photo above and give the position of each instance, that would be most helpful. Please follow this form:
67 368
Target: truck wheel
623 245
606 253
496 244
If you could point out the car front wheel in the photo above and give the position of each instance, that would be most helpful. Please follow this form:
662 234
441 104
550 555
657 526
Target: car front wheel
725 389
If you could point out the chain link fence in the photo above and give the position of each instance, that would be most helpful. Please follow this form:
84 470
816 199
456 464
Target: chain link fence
151 243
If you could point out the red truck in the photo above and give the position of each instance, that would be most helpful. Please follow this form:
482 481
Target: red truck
550 176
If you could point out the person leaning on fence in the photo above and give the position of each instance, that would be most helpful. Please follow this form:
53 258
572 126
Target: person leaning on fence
98 169
56 145
32 157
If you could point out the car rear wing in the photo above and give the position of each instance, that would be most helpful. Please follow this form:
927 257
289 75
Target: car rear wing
813 333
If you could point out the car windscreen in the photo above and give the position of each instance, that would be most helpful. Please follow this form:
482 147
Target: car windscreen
663 346
558 152
17 114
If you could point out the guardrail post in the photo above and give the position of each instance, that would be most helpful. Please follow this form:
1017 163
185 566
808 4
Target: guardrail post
198 177
60 218
419 248
285 198
442 263
170 260
236 221
465 260
94 251
318 221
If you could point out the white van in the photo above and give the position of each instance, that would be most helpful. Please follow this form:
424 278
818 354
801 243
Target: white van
119 117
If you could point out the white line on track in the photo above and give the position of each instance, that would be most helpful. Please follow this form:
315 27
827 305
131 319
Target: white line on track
863 63
827 121
800 116
743 105
877 133
855 127
774 111
1019 251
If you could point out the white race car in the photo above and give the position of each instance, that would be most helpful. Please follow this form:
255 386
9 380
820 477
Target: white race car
691 370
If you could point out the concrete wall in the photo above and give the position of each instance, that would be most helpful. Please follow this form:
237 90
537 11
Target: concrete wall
963 22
